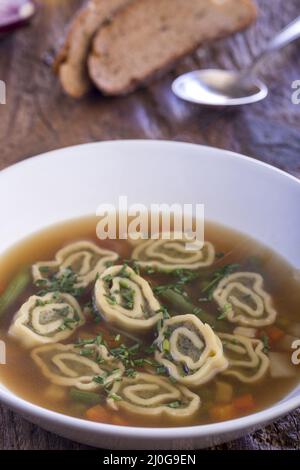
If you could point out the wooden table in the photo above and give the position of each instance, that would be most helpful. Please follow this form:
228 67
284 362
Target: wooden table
38 118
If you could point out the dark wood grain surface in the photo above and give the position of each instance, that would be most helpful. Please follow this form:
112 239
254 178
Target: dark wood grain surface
38 118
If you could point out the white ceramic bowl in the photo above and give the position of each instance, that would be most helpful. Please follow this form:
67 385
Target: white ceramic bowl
237 191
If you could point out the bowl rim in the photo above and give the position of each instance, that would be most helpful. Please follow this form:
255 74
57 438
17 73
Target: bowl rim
32 411
254 420
222 153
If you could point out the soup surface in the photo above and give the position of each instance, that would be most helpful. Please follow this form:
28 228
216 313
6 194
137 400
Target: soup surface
147 334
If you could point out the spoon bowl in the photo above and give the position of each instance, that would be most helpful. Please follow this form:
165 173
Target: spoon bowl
213 87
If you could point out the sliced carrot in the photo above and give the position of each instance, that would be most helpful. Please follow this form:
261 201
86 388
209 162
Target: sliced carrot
274 333
222 412
99 414
244 402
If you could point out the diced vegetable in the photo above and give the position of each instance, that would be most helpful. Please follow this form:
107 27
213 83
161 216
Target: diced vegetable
245 331
274 333
281 366
90 398
244 402
222 412
99 414
224 392
178 301
14 290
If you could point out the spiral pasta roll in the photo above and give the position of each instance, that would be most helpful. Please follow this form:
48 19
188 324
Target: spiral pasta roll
126 299
190 350
84 258
246 357
168 255
244 301
47 319
149 395
77 366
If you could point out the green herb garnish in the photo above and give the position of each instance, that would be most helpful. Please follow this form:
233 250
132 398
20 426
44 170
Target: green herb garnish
217 276
224 311
174 404
266 343
60 282
114 397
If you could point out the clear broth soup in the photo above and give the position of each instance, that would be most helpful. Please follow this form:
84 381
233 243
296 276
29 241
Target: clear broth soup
137 377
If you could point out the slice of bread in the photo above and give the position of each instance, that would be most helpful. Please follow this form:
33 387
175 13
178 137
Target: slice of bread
148 36
71 61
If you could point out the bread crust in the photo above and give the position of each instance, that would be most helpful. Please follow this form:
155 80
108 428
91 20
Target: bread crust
104 38
71 61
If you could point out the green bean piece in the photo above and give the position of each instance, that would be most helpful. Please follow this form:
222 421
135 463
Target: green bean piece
184 305
14 289
88 398
180 303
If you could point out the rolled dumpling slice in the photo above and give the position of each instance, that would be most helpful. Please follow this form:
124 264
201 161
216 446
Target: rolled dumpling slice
170 254
190 350
149 395
126 299
46 319
246 357
84 258
242 298
87 367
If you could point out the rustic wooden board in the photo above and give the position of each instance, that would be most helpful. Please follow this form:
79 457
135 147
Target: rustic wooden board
38 118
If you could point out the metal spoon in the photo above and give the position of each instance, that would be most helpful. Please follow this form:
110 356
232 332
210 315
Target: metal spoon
229 88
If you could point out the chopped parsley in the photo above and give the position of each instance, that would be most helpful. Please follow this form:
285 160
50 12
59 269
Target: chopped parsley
68 324
127 295
217 276
266 343
185 276
100 379
161 370
114 397
60 282
123 272
130 372
174 404
166 345
164 312
224 311
111 299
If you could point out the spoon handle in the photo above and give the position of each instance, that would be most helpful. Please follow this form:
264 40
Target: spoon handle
289 34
